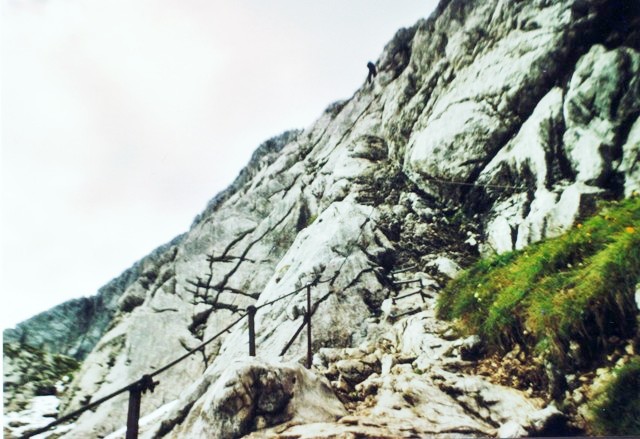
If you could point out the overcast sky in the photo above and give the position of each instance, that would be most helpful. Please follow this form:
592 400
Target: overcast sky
120 119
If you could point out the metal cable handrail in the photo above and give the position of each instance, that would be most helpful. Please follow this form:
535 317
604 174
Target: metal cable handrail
145 383
464 183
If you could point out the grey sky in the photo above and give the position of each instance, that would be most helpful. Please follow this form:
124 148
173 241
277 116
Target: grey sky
120 119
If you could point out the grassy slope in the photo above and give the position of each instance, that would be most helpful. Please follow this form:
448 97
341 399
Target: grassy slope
578 288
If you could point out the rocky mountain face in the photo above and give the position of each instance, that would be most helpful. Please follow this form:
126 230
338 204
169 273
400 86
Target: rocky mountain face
31 372
491 125
74 327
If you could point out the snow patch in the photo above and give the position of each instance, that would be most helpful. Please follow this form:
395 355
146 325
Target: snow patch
42 411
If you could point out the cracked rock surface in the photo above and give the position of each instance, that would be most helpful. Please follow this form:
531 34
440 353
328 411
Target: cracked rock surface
409 379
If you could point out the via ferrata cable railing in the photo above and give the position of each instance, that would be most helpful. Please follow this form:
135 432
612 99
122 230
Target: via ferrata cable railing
469 184
146 383
137 387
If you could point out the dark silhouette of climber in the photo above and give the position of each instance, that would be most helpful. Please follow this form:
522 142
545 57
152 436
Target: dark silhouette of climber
372 72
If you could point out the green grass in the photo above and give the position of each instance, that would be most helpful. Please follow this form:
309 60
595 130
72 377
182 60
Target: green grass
579 286
37 369
617 411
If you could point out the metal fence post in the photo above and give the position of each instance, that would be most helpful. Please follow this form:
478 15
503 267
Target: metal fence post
251 313
133 414
135 395
308 316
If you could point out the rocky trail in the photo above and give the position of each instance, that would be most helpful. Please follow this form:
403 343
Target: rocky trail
407 380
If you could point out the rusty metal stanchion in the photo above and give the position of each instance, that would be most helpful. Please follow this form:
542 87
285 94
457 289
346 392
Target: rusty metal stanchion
308 317
251 313
133 415
135 395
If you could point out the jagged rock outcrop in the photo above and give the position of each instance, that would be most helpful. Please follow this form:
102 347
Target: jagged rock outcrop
491 125
74 327
253 395
30 372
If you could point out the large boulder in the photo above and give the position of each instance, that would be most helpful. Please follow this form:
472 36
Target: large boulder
252 394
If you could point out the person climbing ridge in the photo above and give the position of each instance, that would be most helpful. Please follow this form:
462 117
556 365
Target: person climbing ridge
372 72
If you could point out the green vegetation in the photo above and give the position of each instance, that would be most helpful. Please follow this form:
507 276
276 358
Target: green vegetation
579 286
40 364
617 411
30 371
312 219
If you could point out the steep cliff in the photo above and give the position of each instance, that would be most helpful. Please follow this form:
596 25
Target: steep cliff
491 125
74 327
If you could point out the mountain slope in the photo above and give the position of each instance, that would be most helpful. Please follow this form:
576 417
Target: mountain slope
74 327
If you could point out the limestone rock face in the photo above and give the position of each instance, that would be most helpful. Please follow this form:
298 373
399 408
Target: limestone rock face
251 395
30 372
630 165
566 174
74 327
491 125
603 95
